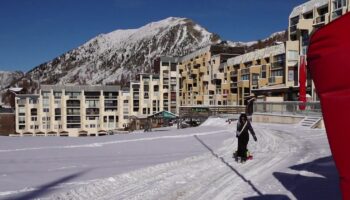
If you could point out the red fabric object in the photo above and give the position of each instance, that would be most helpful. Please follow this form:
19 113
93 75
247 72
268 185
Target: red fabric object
302 82
329 62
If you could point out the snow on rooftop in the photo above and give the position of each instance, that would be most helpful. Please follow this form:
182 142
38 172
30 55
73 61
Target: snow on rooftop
15 89
258 54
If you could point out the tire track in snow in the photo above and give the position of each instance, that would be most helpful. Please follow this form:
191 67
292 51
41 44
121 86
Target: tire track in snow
204 176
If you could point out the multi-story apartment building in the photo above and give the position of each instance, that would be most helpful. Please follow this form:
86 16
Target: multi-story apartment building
152 93
145 95
71 111
201 81
264 72
307 18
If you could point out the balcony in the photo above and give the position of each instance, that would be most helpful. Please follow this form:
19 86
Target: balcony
225 86
211 87
195 71
233 74
245 71
165 90
195 89
206 78
166 82
232 97
233 85
184 73
199 97
255 82
189 81
337 13
275 80
320 20
203 70
222 66
293 29
219 76
305 24
277 65
243 83
92 97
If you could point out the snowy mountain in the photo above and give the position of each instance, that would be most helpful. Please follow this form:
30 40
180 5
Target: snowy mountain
7 78
107 57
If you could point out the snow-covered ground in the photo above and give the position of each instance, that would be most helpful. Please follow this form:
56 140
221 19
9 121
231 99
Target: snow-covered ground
196 163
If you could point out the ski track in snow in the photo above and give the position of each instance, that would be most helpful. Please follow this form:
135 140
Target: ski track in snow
213 175
206 176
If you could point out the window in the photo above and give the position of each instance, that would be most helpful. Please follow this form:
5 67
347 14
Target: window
57 95
21 120
46 119
33 112
21 127
34 119
73 125
338 4
46 110
57 111
45 94
33 101
46 102
92 103
291 75
73 119
92 118
173 67
165 63
73 111
58 118
21 111
73 95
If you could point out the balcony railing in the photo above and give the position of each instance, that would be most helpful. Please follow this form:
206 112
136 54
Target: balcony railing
272 79
337 13
244 71
233 85
277 65
320 20
293 28
233 74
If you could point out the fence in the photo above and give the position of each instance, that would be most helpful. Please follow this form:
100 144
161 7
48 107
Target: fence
289 108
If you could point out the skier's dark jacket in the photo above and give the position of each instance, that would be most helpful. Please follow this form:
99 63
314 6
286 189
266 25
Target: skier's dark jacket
244 133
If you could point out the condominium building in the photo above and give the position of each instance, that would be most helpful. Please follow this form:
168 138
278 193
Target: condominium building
307 18
145 95
200 77
71 111
267 72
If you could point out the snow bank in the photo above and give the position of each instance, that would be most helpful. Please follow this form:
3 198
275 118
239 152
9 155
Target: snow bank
215 122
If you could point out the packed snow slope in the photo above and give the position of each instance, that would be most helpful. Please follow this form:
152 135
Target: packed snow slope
196 163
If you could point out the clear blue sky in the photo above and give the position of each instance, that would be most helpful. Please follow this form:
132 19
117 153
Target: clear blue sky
35 31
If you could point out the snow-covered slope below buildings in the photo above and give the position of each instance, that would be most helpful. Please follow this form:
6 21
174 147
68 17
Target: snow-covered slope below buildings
195 163
107 57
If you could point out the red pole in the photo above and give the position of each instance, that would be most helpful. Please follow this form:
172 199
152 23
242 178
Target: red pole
302 83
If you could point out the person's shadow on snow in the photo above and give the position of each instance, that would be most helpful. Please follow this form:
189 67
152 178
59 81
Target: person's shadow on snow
314 180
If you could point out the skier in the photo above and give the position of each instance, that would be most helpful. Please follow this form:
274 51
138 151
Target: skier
243 127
